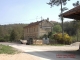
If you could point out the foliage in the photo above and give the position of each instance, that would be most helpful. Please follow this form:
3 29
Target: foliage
7 50
76 4
69 28
65 40
6 37
73 29
2 39
57 28
62 9
13 35
57 2
6 30
49 34
45 36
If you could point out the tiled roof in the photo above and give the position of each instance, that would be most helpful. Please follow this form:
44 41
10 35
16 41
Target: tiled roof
32 24
73 13
36 23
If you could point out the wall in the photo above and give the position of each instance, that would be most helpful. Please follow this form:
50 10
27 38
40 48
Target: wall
31 32
44 27
38 30
38 42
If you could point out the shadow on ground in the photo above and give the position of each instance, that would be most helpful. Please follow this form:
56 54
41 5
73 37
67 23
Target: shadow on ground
57 55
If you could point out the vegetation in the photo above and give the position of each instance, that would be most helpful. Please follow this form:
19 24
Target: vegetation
7 50
57 29
62 9
76 4
70 29
15 32
66 38
11 32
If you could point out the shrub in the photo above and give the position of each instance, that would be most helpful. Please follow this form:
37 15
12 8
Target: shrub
2 40
65 40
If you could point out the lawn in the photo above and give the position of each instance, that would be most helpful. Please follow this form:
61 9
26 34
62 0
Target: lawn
7 50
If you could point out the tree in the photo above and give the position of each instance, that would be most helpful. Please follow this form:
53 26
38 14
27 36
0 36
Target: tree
69 28
61 3
13 36
5 31
76 4
57 28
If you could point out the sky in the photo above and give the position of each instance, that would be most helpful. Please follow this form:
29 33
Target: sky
27 11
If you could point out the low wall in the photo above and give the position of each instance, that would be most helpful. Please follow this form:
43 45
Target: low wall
38 42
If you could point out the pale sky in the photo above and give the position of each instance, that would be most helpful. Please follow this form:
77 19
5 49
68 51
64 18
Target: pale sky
27 11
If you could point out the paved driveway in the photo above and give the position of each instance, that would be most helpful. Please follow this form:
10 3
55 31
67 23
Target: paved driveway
49 52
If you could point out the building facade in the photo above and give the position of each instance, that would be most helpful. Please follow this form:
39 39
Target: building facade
37 29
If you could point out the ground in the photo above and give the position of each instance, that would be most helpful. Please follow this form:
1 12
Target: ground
20 56
30 52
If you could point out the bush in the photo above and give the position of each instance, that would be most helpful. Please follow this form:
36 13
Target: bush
2 40
65 40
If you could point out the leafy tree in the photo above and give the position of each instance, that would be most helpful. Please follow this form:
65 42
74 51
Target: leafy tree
13 36
61 3
69 28
5 31
6 37
57 28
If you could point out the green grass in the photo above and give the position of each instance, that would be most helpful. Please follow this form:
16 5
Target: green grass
7 50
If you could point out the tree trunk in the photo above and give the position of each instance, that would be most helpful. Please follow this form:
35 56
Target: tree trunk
62 19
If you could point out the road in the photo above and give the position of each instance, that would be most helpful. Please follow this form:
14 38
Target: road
49 52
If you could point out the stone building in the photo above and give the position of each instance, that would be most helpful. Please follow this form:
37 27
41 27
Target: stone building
37 29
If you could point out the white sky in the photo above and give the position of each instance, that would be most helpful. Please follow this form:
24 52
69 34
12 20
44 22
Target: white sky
27 11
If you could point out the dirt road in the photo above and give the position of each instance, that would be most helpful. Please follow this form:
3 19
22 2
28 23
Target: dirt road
49 52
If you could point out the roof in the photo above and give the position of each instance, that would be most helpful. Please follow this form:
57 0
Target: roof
37 23
32 24
73 13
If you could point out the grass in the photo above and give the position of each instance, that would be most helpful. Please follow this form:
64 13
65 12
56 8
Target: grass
7 50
